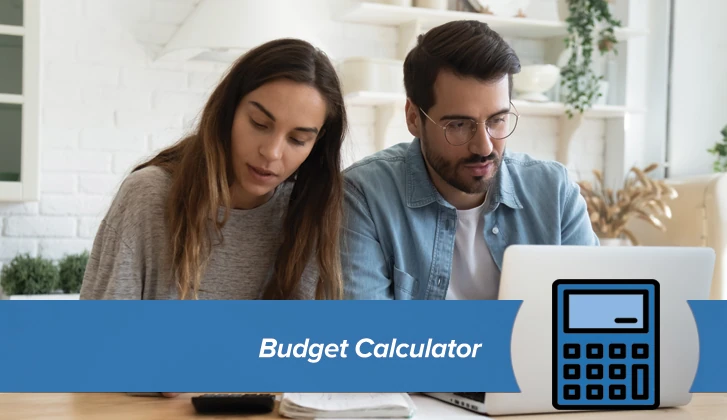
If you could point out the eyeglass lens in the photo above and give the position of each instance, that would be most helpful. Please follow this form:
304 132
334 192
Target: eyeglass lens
498 127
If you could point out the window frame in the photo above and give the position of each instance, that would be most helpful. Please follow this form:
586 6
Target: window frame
28 188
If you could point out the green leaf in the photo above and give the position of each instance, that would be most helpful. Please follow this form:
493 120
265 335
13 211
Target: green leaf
582 84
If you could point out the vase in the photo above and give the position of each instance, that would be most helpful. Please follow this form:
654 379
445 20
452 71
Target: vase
614 242
432 4
562 9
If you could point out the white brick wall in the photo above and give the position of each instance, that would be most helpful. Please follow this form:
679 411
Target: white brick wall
106 105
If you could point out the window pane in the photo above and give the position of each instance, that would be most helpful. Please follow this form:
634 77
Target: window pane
11 12
11 117
11 70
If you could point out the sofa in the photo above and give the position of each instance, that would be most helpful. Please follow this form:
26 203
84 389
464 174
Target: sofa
699 218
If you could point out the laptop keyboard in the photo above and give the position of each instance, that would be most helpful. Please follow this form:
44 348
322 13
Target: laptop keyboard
476 396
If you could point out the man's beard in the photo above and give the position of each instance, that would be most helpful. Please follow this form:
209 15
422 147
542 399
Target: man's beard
449 171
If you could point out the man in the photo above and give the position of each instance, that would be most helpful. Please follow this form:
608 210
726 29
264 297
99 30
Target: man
431 219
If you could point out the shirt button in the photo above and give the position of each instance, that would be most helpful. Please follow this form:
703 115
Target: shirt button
495 230
439 281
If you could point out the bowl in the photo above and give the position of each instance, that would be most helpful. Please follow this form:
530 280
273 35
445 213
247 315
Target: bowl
534 80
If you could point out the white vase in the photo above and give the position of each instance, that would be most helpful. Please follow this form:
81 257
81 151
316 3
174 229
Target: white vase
432 4
614 242
563 10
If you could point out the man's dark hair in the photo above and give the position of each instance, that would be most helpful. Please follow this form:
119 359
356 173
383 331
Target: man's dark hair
464 47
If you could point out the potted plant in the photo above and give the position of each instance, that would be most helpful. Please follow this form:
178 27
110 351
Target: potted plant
38 278
26 277
720 151
641 197
590 25
71 270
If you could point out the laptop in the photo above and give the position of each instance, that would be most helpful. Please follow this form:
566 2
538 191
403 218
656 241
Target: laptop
529 273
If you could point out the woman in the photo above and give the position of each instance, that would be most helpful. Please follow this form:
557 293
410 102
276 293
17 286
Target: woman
248 207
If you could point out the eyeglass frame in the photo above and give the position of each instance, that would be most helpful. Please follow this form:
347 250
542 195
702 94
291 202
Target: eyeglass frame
444 128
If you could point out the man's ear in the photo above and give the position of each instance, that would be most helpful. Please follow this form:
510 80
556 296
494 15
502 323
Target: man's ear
413 122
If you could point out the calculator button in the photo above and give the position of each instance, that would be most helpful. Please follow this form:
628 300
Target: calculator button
572 392
594 392
572 351
572 371
617 392
640 351
594 351
594 371
617 371
617 351
640 382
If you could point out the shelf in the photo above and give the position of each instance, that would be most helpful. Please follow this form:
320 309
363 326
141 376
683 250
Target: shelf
556 109
389 15
387 103
550 109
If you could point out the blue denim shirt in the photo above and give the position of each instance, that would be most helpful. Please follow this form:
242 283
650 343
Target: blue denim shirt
398 231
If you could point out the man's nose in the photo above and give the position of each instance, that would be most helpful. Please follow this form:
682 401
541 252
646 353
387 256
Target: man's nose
481 143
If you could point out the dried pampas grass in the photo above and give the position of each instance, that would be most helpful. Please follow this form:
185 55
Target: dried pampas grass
641 197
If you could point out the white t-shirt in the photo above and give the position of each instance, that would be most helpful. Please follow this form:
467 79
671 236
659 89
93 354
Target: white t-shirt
474 273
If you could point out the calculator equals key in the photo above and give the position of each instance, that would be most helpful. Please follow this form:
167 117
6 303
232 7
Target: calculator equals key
605 344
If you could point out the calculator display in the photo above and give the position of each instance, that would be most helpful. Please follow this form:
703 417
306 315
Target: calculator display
601 311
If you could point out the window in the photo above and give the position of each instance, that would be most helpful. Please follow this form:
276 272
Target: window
19 100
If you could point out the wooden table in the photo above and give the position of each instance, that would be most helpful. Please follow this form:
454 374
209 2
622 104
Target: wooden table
119 406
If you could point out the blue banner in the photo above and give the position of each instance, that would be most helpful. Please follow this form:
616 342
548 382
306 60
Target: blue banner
711 319
257 346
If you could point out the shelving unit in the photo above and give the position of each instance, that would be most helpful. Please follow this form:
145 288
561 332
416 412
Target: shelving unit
389 15
387 103
548 109
412 21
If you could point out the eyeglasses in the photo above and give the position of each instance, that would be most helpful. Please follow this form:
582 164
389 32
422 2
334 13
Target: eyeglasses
460 131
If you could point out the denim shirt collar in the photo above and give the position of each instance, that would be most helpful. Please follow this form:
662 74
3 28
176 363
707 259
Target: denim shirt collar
420 190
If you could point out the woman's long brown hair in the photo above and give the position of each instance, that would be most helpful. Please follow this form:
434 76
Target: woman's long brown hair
202 172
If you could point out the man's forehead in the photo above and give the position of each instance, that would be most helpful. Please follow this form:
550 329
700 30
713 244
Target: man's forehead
471 96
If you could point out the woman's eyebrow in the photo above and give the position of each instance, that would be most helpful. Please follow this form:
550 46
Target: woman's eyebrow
264 111
272 117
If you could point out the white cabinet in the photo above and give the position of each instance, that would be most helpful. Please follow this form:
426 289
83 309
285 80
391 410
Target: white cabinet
19 100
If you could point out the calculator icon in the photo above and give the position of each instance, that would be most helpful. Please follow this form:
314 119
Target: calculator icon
605 344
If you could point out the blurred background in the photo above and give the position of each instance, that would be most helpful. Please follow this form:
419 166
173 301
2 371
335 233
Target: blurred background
88 88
